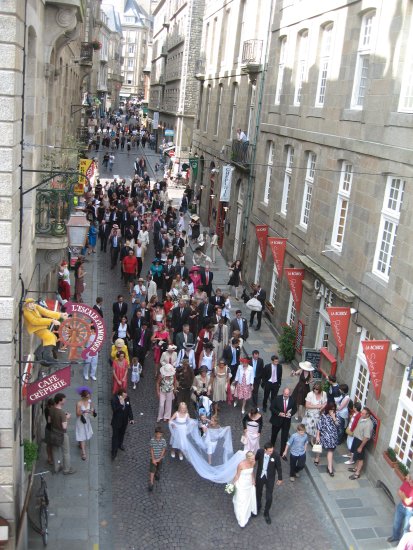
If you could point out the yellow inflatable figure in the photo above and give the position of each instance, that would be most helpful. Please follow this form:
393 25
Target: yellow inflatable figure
38 320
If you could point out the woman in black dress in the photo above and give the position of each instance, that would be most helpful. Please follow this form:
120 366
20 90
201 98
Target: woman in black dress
235 278
305 372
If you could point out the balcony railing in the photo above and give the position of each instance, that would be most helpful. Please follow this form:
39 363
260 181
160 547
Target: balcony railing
241 153
52 211
251 52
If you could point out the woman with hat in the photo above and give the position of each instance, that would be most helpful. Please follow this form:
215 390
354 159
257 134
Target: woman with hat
201 384
160 341
305 372
119 345
165 388
207 357
244 382
156 272
195 276
120 372
195 227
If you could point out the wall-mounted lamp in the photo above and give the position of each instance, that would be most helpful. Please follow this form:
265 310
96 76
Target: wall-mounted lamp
226 208
395 347
212 196
353 311
201 187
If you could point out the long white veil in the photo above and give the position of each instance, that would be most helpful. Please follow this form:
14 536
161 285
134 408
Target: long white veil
217 443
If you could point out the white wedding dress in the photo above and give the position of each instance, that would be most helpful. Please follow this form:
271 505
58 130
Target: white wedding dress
244 499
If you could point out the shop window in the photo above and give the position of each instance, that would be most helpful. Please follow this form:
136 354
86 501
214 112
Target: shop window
291 312
361 379
402 436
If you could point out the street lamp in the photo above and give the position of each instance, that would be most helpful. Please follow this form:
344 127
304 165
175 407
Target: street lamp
77 230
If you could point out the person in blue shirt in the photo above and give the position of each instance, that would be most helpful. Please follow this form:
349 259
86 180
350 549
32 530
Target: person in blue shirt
297 444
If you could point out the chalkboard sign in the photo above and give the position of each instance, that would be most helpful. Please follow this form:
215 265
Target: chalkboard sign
313 355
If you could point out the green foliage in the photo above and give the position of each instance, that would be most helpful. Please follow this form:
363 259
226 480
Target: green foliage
403 468
325 386
31 452
286 343
391 454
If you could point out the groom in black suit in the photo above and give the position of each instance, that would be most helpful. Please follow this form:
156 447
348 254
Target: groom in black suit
282 409
267 460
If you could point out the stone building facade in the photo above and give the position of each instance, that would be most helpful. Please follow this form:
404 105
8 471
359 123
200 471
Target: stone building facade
333 176
175 52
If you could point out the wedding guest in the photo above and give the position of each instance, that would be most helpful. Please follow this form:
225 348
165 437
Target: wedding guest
219 383
244 382
327 433
315 402
178 423
235 279
283 409
184 380
305 372
165 388
120 372
158 448
252 425
297 444
84 409
59 420
121 417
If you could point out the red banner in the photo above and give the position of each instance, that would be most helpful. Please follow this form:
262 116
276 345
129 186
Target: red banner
262 234
340 321
376 355
49 385
278 247
295 280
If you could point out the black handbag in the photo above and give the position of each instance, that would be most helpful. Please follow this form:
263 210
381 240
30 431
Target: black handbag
56 438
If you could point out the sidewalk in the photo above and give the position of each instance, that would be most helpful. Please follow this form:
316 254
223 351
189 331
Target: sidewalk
361 513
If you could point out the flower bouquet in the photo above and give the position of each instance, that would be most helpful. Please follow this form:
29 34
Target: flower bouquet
230 488
96 45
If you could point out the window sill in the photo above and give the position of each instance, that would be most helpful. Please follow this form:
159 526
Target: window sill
401 120
352 115
293 110
315 112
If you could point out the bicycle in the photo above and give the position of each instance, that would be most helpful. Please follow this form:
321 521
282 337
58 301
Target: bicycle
43 511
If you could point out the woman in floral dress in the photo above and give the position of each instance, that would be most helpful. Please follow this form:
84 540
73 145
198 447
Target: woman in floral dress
244 382
327 433
315 402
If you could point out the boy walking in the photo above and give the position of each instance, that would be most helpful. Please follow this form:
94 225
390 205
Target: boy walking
158 450
298 448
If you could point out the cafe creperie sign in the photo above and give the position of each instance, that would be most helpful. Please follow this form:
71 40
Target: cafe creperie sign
48 386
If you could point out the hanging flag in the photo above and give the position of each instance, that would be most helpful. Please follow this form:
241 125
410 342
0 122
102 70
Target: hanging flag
339 321
262 234
226 182
295 280
278 247
193 162
376 356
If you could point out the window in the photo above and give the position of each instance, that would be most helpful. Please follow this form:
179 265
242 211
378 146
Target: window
233 109
324 64
301 74
258 267
323 327
131 48
406 92
367 36
281 67
308 190
402 436
291 312
274 287
218 109
287 179
207 106
270 162
251 108
130 63
390 216
361 380
343 199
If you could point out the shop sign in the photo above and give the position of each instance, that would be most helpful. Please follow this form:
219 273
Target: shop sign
376 356
85 168
339 321
262 233
226 182
155 120
278 247
169 133
96 319
48 386
193 163
295 280
323 291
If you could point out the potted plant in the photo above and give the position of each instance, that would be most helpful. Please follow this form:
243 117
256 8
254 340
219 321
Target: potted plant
30 454
390 457
96 45
401 470
286 343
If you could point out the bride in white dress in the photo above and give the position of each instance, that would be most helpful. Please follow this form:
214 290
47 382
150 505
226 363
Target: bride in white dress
245 500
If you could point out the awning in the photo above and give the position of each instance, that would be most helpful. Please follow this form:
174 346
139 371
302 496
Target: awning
337 286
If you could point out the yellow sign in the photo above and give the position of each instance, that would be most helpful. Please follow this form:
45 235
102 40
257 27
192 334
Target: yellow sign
84 165
79 189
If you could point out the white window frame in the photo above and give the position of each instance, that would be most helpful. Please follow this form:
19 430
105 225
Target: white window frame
287 179
323 326
270 163
389 222
365 48
343 201
361 379
291 311
402 443
258 266
302 67
251 111
324 65
274 286
406 91
233 109
281 67
308 190
219 104
207 107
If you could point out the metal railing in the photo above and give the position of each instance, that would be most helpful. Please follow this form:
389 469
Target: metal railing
241 153
52 211
251 52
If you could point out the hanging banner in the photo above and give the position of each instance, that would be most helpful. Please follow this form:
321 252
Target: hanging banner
376 356
339 321
226 182
295 280
193 163
84 166
48 386
262 234
278 247
155 120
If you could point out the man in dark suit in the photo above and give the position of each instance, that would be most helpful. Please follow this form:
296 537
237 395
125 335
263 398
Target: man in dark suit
231 356
146 314
267 460
271 380
217 316
180 317
206 310
261 296
115 244
258 366
122 415
98 306
282 409
182 270
218 299
184 337
120 309
142 342
168 275
241 324
206 280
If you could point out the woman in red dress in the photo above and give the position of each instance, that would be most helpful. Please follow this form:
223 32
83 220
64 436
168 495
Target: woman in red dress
120 372
195 276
